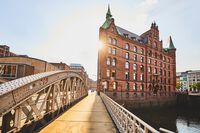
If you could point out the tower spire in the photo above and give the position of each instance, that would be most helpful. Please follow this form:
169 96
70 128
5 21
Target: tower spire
108 14
171 44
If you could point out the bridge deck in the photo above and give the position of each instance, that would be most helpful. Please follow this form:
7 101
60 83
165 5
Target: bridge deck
87 116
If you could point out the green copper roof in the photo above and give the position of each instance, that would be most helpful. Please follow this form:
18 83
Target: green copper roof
108 14
106 24
171 45
108 19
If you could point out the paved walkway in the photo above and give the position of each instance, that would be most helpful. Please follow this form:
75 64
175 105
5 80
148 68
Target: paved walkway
87 116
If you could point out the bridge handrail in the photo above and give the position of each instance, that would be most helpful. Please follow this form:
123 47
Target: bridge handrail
14 84
16 91
130 123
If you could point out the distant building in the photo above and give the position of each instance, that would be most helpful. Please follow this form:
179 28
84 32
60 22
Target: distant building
188 78
13 67
5 51
92 84
61 66
135 63
79 69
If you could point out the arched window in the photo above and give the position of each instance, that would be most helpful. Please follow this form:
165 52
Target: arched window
127 65
109 40
108 61
135 57
114 62
155 55
141 59
142 68
109 50
135 49
134 66
134 86
142 77
127 86
114 51
127 46
115 41
164 58
127 55
141 51
142 87
134 76
114 85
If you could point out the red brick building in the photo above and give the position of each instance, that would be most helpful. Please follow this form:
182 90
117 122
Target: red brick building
128 62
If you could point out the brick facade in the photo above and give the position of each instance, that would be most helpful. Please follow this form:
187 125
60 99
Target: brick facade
131 63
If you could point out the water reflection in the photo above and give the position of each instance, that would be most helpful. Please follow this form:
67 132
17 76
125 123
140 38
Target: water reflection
182 119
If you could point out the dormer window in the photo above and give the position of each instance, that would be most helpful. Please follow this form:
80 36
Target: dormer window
126 35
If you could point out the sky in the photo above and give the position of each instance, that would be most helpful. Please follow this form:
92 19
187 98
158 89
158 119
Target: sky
68 30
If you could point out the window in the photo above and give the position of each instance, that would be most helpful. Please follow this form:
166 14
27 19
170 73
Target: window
114 41
127 65
168 66
168 60
155 62
108 73
142 87
142 77
155 45
142 68
169 73
114 62
127 55
109 50
127 75
134 86
155 71
8 71
135 57
134 76
105 84
149 61
114 51
164 58
164 72
160 64
114 85
149 69
134 67
110 40
127 86
135 49
113 74
141 51
149 53
141 59
108 61
161 72
155 55
161 57
127 46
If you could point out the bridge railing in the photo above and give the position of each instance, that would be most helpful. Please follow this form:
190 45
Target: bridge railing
125 121
28 103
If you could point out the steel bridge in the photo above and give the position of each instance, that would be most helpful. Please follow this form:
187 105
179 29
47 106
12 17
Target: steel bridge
28 104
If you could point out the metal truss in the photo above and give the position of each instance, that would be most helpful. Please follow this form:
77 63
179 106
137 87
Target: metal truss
28 103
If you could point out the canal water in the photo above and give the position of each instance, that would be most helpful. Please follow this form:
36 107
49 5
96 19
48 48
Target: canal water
180 119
